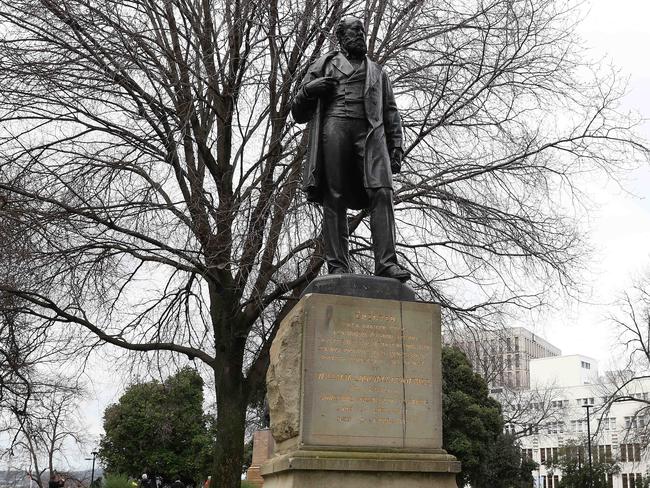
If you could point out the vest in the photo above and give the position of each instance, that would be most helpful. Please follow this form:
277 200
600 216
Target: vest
347 99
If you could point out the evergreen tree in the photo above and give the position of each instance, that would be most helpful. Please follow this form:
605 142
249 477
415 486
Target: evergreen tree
573 465
473 429
159 429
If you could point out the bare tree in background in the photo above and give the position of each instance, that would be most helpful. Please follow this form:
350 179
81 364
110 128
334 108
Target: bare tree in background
629 384
47 429
526 412
152 146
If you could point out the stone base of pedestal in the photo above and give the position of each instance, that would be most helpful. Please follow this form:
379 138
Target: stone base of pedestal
355 390
334 469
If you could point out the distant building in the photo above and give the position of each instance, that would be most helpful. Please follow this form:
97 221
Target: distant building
502 357
563 371
617 434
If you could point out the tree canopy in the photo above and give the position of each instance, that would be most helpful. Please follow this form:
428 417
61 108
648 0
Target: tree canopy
472 427
573 464
147 149
159 429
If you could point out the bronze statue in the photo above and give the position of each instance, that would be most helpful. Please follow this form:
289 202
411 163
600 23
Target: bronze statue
355 145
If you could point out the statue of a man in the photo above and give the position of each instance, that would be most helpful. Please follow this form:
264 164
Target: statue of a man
355 144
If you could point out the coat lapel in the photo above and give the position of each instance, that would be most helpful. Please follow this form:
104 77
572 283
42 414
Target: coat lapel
372 74
342 64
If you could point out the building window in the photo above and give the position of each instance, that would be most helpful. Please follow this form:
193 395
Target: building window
585 401
585 365
630 452
632 480
548 454
635 422
609 423
604 453
555 428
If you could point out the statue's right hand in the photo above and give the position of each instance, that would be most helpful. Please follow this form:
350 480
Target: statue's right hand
321 86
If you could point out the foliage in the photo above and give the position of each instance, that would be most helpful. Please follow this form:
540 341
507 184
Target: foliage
504 467
471 419
246 484
160 429
574 466
147 148
248 454
117 480
473 428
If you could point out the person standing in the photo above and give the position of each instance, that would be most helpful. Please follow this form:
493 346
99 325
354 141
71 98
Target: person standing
145 482
178 483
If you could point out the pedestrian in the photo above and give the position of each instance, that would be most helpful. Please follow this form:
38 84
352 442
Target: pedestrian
145 482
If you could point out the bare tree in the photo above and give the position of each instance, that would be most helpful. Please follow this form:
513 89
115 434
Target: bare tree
26 348
630 383
526 412
152 146
46 430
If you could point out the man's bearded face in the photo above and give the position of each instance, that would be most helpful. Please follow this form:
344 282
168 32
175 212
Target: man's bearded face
353 39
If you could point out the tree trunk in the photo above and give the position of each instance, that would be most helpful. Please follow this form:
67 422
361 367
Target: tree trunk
231 417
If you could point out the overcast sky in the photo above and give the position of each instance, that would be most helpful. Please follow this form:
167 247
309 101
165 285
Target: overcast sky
619 228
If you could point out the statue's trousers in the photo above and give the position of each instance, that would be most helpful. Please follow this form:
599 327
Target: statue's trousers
343 146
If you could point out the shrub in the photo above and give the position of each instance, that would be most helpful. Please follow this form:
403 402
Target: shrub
117 481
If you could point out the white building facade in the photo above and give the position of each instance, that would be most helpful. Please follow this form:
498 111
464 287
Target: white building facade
569 383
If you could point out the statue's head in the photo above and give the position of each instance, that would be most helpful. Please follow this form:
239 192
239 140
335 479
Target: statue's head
352 36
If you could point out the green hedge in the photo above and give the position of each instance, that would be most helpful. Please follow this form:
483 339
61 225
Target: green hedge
117 481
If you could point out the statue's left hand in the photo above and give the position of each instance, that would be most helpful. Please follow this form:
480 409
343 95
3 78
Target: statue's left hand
396 160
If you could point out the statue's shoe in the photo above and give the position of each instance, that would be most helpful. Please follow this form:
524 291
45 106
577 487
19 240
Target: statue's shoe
397 273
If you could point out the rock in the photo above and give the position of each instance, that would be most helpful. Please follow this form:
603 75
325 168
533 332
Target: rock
283 378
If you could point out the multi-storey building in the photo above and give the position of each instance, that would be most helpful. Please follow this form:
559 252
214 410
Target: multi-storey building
503 356
617 429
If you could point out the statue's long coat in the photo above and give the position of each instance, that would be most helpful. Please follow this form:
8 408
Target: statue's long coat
384 133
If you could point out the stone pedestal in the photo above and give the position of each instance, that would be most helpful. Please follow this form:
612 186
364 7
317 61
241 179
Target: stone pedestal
262 451
354 390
